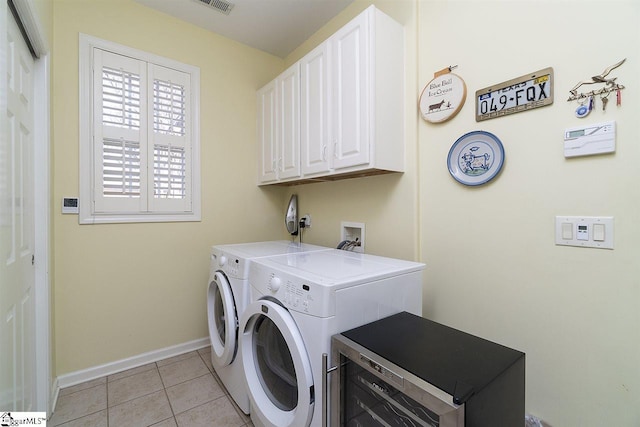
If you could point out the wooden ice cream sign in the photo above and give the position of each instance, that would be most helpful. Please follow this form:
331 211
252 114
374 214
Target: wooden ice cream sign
443 97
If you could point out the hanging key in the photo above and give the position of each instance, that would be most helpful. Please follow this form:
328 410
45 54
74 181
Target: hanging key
604 103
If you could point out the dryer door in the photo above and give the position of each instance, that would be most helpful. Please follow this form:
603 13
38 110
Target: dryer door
276 366
223 320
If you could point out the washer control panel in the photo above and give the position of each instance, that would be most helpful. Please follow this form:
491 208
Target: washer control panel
298 297
291 291
234 267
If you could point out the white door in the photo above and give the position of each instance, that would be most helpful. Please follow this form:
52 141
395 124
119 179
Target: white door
223 320
276 366
350 88
267 133
288 116
17 273
315 149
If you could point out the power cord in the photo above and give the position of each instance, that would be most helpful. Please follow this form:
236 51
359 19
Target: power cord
302 225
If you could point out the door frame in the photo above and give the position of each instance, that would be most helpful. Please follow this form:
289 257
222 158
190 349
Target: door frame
42 201
35 33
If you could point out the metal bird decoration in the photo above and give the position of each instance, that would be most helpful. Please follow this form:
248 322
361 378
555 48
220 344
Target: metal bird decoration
601 78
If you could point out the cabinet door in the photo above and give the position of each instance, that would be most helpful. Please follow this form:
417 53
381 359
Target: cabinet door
315 149
266 114
350 89
288 119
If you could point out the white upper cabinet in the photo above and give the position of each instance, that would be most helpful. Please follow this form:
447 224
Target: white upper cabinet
314 110
351 106
288 122
279 127
267 133
350 97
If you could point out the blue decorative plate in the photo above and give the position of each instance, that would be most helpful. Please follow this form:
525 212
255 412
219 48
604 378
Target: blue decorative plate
476 158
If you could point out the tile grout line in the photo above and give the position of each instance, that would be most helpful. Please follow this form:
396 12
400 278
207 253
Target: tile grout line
164 388
226 392
107 390
210 371
81 416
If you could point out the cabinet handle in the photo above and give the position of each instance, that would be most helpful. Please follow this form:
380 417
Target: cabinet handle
335 149
324 153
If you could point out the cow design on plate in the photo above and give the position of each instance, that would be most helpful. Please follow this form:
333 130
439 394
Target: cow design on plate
474 162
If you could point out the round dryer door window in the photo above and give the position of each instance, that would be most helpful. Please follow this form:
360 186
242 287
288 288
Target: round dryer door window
223 324
276 366
275 369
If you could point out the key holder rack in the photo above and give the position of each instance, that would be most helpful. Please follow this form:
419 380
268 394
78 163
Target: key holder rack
610 85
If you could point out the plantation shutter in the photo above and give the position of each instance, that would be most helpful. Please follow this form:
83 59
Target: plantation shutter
142 140
139 136
170 138
120 132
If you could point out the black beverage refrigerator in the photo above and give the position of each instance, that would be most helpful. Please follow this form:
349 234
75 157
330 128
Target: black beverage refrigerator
405 370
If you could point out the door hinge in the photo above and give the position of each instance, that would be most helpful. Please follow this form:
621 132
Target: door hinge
33 259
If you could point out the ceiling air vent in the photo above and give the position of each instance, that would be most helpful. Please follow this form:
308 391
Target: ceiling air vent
221 6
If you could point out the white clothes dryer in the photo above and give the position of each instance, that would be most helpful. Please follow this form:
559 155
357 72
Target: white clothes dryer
298 302
227 296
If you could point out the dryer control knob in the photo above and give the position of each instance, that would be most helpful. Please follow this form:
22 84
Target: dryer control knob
222 261
274 284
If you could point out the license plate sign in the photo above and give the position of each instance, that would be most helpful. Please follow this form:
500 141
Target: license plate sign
514 96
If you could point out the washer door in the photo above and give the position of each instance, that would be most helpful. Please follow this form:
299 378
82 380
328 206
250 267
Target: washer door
223 320
276 366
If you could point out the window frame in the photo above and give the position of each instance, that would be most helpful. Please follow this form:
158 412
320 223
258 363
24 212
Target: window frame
87 154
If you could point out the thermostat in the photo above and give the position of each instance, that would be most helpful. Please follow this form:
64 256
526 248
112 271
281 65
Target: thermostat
69 205
590 140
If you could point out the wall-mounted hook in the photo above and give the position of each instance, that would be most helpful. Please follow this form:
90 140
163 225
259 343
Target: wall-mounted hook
600 78
610 87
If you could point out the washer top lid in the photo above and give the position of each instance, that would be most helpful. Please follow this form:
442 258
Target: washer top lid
336 267
263 249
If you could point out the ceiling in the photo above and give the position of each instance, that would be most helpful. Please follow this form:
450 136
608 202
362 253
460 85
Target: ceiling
273 26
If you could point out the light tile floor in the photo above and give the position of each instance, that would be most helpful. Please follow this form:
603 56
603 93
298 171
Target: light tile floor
182 391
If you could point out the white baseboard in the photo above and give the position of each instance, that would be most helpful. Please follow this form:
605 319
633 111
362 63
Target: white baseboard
78 377
53 396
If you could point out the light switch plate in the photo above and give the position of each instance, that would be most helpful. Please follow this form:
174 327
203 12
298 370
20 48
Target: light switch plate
586 231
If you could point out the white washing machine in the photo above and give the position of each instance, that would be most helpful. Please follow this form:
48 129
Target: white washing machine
227 296
298 302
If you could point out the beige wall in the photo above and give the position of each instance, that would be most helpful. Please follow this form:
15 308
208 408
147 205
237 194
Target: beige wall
493 268
386 204
44 11
122 290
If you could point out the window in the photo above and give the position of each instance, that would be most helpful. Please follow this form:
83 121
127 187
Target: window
139 136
